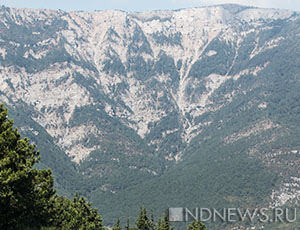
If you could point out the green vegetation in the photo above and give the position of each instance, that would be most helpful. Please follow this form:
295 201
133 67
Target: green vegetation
231 152
164 224
28 199
219 63
113 64
140 44
67 180
24 191
117 226
196 226
74 214
172 39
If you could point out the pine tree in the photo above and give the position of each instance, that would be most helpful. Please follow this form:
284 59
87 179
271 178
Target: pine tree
117 225
143 222
196 225
160 225
24 191
151 221
75 214
127 227
27 197
164 224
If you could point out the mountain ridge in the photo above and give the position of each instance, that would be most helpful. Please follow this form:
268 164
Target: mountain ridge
230 6
123 58
134 98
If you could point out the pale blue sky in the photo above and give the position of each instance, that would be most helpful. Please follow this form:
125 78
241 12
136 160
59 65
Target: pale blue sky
141 5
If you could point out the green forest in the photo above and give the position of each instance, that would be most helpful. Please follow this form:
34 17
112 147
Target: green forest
28 200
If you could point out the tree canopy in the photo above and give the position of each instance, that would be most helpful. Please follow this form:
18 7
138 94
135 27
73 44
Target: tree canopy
29 201
27 197
196 225
24 191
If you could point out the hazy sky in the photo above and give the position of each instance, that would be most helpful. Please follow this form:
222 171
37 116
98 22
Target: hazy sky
141 5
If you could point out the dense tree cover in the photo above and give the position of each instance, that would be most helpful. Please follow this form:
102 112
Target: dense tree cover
27 196
196 225
25 192
220 172
67 180
75 214
117 226
144 222
29 201
164 224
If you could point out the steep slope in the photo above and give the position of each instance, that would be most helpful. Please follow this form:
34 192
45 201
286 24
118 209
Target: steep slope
150 107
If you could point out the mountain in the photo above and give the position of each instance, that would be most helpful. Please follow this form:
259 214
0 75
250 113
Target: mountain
187 108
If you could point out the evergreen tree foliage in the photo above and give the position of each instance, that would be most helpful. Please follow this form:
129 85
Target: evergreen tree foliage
152 223
143 222
76 214
24 191
164 224
117 226
27 197
196 225
127 226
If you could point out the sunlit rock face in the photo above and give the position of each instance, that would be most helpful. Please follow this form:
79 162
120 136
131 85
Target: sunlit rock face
137 89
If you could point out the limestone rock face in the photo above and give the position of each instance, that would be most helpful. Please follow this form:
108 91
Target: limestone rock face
135 93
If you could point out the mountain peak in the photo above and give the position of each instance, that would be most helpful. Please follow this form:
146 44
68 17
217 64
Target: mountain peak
128 95
234 8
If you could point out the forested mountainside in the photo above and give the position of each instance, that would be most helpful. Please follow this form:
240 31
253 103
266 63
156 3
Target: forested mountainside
178 108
